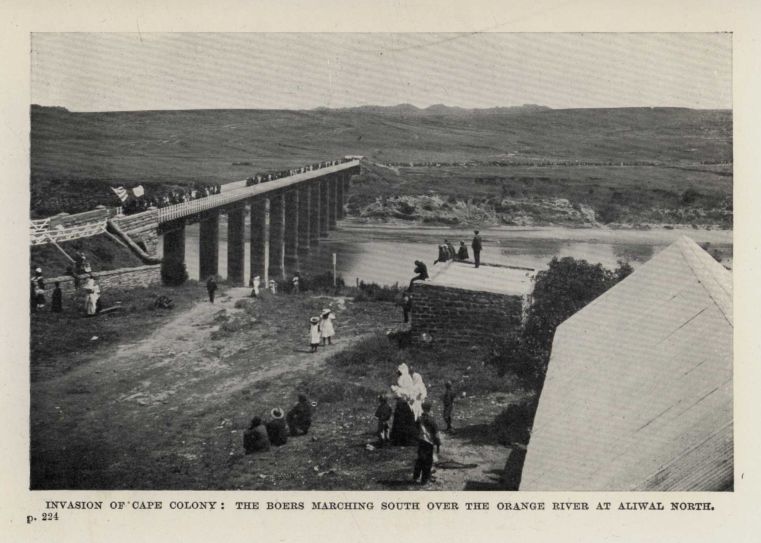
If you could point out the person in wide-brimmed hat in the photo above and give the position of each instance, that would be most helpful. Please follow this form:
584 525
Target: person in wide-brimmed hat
277 431
326 326
314 333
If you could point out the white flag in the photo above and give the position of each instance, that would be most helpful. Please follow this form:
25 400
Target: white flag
121 192
138 191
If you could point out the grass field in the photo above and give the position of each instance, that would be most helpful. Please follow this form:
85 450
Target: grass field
74 156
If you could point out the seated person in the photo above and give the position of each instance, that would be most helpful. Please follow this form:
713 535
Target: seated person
277 431
300 416
255 438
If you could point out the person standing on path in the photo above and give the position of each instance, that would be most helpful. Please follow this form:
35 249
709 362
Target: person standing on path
406 304
314 334
92 296
428 437
326 326
56 304
476 245
448 401
211 287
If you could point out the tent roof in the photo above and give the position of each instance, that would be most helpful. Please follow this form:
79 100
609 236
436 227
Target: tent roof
638 394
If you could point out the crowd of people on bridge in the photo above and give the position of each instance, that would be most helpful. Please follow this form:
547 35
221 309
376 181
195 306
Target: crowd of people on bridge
137 204
272 176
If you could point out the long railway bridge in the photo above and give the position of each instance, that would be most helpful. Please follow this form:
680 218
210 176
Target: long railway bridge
288 216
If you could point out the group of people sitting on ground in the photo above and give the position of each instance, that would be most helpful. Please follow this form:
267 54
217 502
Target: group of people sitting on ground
260 435
38 301
447 252
272 176
321 329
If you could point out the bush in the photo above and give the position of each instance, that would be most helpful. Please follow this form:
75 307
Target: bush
513 424
173 272
373 292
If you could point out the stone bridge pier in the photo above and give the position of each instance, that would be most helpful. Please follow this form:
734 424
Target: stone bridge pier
285 221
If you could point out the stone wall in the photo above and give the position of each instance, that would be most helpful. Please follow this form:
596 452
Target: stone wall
142 228
454 316
124 278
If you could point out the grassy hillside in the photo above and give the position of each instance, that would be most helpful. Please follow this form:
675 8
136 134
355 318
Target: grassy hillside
74 151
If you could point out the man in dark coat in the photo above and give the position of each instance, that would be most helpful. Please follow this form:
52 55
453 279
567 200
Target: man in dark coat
255 438
300 416
277 431
476 245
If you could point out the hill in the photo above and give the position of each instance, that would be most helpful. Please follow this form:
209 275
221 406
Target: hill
71 150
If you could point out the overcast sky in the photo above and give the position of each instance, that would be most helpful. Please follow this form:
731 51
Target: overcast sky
100 72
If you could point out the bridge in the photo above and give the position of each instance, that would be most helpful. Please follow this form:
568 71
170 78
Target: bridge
287 217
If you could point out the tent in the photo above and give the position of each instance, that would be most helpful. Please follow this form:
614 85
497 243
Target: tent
638 392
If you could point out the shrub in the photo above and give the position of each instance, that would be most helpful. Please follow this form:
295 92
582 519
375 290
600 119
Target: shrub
173 272
513 424
372 292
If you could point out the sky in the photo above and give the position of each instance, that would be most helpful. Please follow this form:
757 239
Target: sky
119 72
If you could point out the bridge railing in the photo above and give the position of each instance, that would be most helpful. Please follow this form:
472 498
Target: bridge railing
40 235
185 209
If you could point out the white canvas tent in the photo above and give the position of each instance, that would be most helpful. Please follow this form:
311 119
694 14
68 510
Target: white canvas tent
638 394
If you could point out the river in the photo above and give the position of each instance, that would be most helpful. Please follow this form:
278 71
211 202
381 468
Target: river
385 254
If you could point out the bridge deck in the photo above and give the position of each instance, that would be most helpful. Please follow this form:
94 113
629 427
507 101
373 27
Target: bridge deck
177 211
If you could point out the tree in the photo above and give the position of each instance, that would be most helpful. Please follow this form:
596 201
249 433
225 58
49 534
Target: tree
561 290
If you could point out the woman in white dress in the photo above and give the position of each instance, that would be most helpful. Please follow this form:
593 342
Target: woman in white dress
326 326
419 394
92 293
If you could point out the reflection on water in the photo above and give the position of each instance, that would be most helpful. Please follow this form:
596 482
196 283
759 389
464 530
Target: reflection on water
387 256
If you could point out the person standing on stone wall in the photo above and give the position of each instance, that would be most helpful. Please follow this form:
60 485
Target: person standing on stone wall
476 245
211 287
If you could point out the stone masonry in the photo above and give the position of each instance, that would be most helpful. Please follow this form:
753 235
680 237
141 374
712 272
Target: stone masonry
456 316
123 278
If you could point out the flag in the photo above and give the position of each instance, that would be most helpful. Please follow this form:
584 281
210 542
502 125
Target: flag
138 191
121 192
